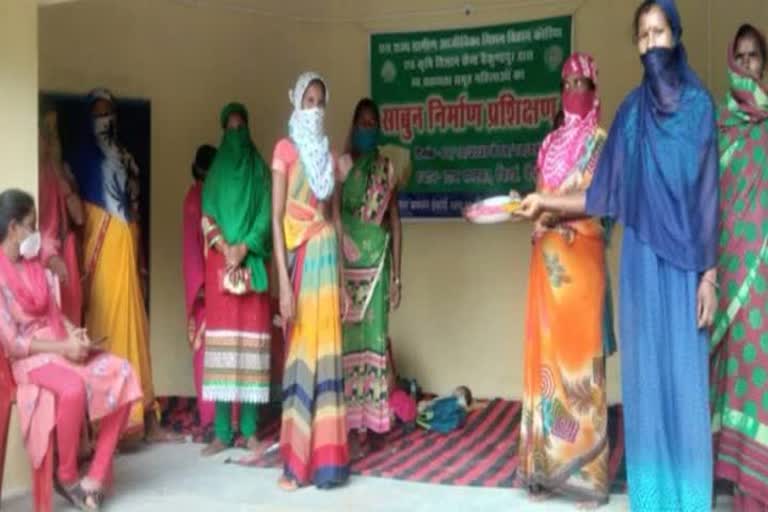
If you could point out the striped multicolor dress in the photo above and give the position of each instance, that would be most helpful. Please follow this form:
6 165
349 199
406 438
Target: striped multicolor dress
313 436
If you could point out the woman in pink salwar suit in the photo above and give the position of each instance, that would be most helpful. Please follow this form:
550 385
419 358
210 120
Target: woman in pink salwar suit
60 373
194 275
61 212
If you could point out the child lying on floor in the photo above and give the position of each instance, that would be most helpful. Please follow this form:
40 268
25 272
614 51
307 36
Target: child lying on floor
447 413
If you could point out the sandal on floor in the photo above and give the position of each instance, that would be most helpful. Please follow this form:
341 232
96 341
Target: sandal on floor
68 493
79 497
95 497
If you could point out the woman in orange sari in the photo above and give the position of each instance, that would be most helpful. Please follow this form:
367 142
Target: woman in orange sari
564 445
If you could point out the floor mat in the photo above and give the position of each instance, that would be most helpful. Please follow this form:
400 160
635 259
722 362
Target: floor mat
483 453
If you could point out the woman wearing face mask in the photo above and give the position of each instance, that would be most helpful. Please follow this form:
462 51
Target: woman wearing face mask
313 436
658 176
236 225
371 251
108 180
564 443
740 342
61 212
59 371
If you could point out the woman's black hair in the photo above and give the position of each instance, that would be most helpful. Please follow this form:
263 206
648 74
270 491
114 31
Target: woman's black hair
559 119
747 30
464 390
643 9
369 105
365 104
45 105
15 205
203 160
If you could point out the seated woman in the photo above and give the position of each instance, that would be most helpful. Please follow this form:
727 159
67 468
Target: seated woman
59 371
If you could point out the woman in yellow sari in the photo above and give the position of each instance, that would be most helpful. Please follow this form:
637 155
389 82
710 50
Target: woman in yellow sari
564 446
108 178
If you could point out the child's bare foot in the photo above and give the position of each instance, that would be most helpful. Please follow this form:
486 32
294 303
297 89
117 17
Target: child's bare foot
287 484
212 449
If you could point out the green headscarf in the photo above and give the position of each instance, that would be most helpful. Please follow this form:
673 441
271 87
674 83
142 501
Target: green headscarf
237 195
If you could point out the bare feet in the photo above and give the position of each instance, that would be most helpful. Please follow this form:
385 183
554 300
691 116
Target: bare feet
589 505
212 449
538 494
287 484
157 434
360 446
256 447
161 435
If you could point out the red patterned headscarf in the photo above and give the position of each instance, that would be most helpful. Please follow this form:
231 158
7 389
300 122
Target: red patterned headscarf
561 149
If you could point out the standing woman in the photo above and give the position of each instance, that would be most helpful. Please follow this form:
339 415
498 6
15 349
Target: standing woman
108 180
61 212
313 436
371 252
740 342
193 265
236 225
657 175
564 442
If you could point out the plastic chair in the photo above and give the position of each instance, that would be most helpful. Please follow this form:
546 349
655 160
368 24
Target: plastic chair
42 478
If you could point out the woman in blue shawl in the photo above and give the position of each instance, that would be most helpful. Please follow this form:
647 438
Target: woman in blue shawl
658 176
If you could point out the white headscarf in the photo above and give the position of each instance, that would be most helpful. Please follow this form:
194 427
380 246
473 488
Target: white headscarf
307 131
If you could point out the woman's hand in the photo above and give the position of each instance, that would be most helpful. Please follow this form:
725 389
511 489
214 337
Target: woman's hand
346 302
75 349
706 303
235 254
59 268
531 207
287 303
394 293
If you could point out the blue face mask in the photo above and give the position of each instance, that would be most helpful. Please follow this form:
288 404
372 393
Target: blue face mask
365 140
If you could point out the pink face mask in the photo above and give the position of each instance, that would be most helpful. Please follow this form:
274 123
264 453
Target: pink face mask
578 103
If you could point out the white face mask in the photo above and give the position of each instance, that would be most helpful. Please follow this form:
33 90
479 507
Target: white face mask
306 128
104 127
30 246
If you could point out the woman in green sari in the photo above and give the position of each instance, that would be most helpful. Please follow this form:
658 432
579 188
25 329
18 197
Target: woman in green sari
740 339
371 246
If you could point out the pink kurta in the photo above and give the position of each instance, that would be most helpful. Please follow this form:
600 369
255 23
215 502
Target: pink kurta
110 381
60 239
193 264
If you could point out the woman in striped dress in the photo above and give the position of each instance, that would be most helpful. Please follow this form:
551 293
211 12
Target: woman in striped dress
313 436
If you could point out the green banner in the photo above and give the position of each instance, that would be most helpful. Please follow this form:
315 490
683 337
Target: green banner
473 105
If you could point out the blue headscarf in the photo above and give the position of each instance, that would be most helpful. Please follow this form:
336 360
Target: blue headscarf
658 172
88 166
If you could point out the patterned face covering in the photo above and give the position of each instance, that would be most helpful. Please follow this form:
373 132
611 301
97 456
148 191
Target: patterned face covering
307 130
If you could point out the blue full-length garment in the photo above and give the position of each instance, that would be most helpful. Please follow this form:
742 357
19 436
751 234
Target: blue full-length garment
658 176
664 364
